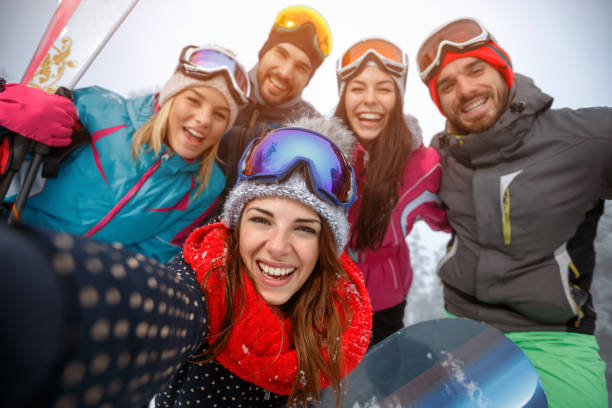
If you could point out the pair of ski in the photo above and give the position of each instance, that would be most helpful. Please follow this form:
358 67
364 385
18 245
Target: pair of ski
77 32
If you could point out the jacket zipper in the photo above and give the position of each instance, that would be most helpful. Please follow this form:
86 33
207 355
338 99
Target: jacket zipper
506 217
504 184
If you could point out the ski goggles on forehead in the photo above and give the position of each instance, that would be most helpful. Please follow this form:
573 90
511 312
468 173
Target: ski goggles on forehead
293 17
389 56
274 156
458 35
205 62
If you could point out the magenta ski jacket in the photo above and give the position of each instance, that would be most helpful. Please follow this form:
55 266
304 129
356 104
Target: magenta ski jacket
387 271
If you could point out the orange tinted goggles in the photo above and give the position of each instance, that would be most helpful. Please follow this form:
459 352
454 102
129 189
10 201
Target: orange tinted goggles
457 35
384 48
293 17
389 55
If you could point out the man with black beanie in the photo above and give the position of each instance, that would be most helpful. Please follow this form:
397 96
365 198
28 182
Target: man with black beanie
297 45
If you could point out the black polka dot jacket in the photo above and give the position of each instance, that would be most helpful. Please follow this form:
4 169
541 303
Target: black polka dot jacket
88 324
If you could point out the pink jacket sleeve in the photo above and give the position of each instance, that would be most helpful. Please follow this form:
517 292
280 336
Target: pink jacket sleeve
419 195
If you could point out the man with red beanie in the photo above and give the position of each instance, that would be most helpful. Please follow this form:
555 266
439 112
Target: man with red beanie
524 187
298 43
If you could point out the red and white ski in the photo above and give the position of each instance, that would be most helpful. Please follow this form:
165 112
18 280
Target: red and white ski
77 32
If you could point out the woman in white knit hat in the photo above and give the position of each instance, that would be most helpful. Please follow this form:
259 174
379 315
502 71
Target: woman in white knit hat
148 175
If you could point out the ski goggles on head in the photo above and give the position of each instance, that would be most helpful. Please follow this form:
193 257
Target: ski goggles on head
204 62
387 54
458 35
293 17
274 156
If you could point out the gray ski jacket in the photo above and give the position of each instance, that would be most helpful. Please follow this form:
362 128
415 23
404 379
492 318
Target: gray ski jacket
523 199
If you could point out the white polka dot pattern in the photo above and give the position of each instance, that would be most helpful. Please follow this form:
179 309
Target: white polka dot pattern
137 322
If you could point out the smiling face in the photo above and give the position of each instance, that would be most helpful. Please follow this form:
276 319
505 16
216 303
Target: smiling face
279 246
473 95
197 119
369 100
283 72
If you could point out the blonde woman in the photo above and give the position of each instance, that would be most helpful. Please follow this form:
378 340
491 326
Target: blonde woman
148 176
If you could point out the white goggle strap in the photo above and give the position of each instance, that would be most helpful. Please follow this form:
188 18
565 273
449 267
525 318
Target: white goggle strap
228 75
399 71
480 38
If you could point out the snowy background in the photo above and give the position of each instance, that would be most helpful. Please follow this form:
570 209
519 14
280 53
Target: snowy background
562 44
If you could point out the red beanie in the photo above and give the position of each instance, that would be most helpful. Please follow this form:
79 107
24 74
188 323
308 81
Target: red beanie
489 52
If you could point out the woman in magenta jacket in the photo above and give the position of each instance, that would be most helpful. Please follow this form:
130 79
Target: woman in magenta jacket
398 177
148 175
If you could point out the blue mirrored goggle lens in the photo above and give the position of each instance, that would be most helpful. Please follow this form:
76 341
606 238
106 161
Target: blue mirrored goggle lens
210 59
273 155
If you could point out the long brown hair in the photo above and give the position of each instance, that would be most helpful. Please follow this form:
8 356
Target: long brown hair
316 322
388 156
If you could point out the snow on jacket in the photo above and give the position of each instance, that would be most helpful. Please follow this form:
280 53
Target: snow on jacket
523 199
255 120
102 192
387 270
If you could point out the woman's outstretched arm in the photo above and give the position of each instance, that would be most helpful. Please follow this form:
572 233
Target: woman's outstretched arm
85 322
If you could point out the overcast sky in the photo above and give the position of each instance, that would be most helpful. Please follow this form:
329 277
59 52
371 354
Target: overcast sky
563 44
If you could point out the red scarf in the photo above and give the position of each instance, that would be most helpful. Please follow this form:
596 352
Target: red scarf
260 348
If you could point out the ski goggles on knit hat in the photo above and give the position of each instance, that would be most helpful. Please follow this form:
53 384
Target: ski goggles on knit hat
205 62
293 17
388 56
457 36
275 156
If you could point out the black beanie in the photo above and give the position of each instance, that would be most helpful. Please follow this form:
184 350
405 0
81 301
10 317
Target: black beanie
303 37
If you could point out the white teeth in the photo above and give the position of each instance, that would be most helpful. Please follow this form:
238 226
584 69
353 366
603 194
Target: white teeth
275 272
195 133
370 116
277 84
473 106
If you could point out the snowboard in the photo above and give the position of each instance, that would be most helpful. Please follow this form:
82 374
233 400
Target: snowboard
451 362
